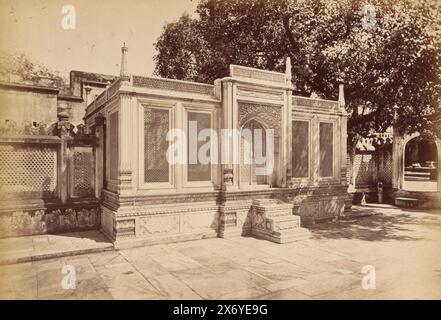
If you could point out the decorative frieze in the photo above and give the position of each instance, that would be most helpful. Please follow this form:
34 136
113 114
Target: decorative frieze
260 94
319 104
252 73
230 219
41 221
173 85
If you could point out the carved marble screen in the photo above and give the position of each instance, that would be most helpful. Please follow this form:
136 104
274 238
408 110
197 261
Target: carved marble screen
250 154
28 171
156 126
197 171
300 149
326 149
113 146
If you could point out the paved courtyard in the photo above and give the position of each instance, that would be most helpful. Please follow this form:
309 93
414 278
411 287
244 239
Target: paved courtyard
404 247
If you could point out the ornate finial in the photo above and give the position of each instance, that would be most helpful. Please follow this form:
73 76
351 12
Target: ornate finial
288 74
124 72
63 113
341 95
63 126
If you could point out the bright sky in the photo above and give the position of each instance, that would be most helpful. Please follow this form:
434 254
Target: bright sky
34 27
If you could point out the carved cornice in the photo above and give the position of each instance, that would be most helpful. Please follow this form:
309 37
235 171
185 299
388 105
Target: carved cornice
173 85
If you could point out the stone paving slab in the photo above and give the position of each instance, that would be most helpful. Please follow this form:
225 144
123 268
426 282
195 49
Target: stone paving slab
40 247
402 245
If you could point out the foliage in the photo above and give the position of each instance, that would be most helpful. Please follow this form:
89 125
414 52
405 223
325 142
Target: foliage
17 67
389 60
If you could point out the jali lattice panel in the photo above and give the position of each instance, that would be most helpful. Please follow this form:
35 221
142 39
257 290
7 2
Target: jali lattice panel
385 167
83 172
365 169
28 171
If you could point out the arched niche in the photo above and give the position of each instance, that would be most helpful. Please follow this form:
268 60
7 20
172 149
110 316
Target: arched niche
247 176
398 157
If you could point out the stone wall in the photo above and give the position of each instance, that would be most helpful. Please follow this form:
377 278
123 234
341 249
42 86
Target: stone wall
47 180
20 105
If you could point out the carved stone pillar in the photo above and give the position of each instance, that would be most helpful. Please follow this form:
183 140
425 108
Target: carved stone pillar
64 128
315 149
126 138
99 154
438 150
283 144
288 145
285 173
343 136
227 152
179 167
397 160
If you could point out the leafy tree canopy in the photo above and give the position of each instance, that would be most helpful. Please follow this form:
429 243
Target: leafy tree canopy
17 67
387 54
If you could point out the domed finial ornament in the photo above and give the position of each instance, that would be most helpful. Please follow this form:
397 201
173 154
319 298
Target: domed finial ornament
341 95
124 73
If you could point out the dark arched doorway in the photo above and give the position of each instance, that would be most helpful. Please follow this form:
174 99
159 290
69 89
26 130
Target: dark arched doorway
421 165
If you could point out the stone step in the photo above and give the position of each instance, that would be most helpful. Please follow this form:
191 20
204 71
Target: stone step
416 174
280 225
406 202
275 208
276 213
414 178
272 207
284 236
283 223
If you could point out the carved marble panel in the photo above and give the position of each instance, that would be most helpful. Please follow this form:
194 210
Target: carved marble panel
199 220
158 224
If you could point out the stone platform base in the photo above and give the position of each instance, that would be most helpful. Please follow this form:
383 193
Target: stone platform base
318 209
284 237
49 246
146 241
142 225
275 214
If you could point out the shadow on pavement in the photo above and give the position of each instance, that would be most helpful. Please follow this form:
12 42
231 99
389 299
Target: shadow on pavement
378 227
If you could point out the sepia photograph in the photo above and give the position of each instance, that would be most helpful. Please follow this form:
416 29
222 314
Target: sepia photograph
220 150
